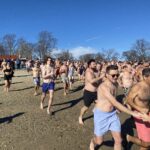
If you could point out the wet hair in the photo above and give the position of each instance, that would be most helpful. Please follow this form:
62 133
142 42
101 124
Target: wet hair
146 72
90 61
111 67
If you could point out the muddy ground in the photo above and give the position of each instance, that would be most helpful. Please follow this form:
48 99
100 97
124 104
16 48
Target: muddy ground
23 126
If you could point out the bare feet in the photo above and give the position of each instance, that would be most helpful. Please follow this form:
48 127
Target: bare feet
41 105
81 121
92 146
48 111
35 94
65 93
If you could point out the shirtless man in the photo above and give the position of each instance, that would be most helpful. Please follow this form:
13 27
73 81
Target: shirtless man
71 71
139 100
64 76
126 79
36 77
48 83
90 89
57 67
98 69
138 73
105 117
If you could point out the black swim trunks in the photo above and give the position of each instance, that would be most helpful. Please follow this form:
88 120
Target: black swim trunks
89 97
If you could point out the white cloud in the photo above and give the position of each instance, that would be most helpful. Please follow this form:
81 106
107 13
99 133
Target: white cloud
78 51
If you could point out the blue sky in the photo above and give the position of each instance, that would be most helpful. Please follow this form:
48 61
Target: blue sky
79 25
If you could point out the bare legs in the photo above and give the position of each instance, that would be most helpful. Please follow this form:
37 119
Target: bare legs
70 82
36 88
51 95
117 140
144 145
82 112
95 141
42 100
98 140
65 88
7 85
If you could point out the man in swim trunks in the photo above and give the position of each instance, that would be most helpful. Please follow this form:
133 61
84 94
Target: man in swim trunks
64 76
36 77
90 89
57 67
105 117
139 99
48 83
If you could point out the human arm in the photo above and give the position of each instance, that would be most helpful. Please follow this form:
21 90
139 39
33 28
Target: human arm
91 79
105 90
50 74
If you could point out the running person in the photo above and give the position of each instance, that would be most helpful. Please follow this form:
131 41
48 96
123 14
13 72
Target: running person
36 77
105 117
126 79
71 74
90 89
64 76
8 74
139 100
48 83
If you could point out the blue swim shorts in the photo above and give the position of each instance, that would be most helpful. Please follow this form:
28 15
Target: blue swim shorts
36 80
105 121
48 86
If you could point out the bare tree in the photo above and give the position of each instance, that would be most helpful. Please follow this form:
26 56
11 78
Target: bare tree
99 57
110 54
130 55
86 57
46 43
140 51
2 50
25 49
9 43
141 47
65 55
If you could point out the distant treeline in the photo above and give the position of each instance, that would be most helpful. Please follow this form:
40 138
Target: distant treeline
46 45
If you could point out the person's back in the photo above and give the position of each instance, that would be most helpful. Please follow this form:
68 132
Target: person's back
139 95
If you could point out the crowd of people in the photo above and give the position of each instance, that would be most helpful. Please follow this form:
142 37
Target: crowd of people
101 80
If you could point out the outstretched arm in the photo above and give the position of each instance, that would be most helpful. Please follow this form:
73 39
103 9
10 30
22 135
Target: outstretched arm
115 103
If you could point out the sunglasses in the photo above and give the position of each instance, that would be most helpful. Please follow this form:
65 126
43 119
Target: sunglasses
114 75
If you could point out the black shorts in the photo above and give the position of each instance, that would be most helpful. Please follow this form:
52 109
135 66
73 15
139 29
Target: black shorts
7 77
89 97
